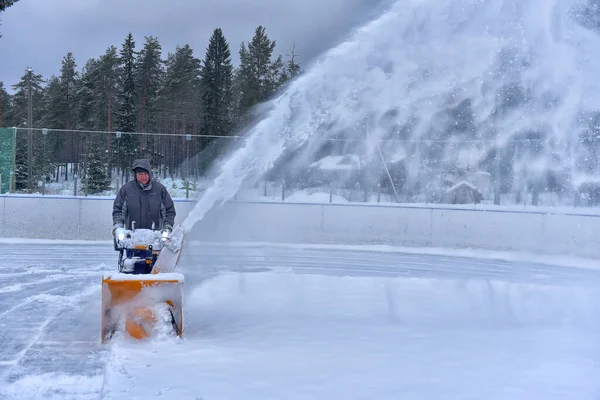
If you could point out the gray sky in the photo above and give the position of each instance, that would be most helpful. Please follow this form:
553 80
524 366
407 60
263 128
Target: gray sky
38 33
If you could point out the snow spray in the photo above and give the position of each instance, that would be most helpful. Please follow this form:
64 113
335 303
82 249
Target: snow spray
515 69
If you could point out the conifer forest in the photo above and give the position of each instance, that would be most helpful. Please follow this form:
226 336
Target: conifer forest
99 115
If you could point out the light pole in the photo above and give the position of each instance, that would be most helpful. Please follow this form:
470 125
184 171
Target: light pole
29 132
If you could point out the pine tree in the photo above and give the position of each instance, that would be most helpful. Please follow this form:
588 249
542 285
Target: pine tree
18 113
149 73
68 80
292 68
179 103
126 118
53 105
62 105
125 149
4 4
96 179
21 170
108 68
90 110
4 105
180 92
217 98
216 83
89 104
53 115
109 71
258 76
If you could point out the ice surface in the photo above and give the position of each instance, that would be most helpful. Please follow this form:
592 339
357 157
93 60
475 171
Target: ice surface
512 257
281 321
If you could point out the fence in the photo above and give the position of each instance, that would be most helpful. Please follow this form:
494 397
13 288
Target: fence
50 161
7 159
92 163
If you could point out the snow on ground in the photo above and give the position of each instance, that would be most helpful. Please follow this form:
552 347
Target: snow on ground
273 322
274 336
300 197
272 192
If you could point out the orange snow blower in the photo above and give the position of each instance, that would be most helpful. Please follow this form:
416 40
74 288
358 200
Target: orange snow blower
146 294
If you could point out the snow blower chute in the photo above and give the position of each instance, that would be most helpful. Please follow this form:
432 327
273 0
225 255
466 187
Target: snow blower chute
146 293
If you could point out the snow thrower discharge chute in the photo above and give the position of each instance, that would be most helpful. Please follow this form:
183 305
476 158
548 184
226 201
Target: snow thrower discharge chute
146 295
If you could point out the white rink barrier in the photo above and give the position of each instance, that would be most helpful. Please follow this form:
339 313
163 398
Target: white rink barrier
89 218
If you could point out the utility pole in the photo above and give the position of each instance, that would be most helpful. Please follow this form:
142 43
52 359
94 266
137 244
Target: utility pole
497 160
29 133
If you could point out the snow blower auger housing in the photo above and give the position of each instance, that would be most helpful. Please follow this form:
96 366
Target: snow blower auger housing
146 294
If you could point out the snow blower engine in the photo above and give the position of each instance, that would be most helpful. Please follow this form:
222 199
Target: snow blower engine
145 291
138 249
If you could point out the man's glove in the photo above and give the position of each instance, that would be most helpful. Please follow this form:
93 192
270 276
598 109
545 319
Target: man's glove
167 229
118 232
115 227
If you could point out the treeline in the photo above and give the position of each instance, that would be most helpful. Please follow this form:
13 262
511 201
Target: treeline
131 89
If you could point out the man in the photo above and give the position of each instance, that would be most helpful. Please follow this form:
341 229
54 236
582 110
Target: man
143 200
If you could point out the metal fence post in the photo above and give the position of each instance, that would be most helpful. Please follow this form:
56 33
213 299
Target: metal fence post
44 134
13 172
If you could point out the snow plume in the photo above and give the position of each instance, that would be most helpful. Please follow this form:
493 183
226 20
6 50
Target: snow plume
514 81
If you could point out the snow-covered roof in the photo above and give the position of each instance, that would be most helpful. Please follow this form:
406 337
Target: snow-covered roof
345 162
479 172
462 183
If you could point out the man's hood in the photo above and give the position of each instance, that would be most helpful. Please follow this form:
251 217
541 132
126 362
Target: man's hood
144 164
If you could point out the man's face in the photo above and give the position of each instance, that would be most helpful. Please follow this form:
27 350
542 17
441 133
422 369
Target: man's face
142 176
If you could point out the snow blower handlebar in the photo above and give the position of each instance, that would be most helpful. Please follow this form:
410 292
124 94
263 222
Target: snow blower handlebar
139 249
140 239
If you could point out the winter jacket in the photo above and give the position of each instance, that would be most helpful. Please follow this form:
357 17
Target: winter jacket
144 204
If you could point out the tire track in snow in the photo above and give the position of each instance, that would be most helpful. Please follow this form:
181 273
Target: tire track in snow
56 305
33 298
215 259
49 327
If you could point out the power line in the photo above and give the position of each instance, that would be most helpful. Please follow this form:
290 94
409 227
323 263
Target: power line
198 135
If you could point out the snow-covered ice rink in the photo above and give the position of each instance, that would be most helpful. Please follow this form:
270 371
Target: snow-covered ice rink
313 322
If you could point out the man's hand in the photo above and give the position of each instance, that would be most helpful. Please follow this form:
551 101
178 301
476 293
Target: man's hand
166 232
118 232
115 227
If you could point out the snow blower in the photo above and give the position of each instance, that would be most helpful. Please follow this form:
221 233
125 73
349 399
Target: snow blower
146 294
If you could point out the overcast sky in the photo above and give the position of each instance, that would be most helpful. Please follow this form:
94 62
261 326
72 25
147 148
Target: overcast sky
38 33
